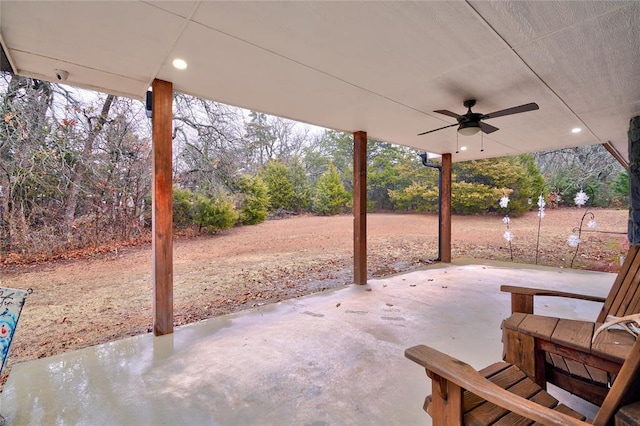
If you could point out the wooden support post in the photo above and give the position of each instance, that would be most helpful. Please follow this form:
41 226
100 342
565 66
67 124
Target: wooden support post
360 207
162 204
634 180
445 209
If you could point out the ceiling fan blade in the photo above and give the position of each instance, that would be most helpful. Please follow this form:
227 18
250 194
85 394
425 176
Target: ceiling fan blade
515 110
446 112
435 130
487 128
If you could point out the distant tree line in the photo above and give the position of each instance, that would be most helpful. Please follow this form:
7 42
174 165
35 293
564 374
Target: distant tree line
75 170
590 168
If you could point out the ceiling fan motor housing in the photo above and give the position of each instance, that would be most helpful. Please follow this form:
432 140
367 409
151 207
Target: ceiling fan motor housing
470 118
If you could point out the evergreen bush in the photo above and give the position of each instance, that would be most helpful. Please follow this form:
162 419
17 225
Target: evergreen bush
255 200
517 177
280 188
470 198
620 188
301 197
213 214
415 198
182 207
331 197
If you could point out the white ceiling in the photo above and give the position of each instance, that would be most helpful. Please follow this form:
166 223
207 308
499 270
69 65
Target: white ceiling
381 67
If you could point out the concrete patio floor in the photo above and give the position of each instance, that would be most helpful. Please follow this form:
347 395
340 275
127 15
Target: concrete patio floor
330 358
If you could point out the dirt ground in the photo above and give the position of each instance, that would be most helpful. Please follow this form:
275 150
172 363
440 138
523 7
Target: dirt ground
86 302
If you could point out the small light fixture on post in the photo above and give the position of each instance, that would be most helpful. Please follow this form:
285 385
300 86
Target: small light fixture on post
149 104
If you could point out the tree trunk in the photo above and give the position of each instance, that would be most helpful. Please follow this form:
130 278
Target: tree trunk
79 169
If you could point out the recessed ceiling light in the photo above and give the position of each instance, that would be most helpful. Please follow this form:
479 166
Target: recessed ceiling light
576 130
180 64
463 148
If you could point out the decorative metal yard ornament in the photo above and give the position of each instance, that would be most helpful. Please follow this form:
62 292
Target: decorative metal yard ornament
581 198
575 240
508 235
504 201
541 205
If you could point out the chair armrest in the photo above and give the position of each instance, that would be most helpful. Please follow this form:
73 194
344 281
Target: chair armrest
468 378
522 297
547 292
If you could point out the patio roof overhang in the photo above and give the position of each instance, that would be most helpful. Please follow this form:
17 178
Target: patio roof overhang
379 67
375 69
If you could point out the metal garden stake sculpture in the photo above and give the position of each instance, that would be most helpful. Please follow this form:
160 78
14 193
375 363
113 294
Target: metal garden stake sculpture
574 240
541 214
508 235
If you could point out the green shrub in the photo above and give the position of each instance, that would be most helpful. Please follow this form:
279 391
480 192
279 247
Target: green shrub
470 198
278 180
301 198
331 197
213 214
517 176
476 187
182 209
415 198
255 202
620 188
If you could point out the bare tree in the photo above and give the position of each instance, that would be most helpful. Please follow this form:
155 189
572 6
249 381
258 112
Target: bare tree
67 165
208 145
23 151
274 138
590 168
95 125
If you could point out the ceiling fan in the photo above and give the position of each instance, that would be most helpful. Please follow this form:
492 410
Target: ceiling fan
471 122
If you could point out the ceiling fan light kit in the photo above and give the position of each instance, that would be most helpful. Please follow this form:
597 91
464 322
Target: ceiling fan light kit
468 129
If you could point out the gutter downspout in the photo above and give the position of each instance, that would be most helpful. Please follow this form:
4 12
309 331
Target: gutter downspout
426 163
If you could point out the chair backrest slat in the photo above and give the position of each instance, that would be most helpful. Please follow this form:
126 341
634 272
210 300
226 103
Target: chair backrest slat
624 297
624 389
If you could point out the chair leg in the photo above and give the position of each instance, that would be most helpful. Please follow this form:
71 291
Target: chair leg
540 366
446 402
520 349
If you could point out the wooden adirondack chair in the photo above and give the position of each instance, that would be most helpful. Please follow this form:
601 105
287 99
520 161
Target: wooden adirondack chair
560 351
503 394
623 298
